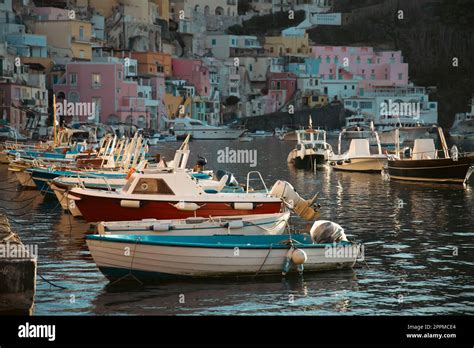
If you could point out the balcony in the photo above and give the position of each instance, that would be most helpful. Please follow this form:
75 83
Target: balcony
81 39
28 102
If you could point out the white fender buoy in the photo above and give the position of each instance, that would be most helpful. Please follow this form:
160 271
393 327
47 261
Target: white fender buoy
299 257
186 206
130 204
243 206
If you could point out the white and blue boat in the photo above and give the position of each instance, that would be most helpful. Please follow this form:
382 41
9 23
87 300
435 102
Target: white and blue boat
155 257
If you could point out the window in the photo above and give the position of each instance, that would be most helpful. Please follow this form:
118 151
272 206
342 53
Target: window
55 79
119 75
81 33
82 54
214 42
365 105
96 80
400 76
73 79
97 102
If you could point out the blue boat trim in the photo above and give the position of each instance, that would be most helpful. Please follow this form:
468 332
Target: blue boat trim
217 241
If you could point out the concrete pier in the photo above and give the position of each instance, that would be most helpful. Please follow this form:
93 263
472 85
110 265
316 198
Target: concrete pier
17 273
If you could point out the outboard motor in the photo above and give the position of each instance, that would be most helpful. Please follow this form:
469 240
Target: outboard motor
307 209
407 152
202 161
327 232
200 164
231 181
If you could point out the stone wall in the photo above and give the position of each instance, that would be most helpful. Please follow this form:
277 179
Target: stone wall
330 117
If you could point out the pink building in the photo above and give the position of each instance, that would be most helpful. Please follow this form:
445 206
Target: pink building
281 81
104 84
376 68
194 72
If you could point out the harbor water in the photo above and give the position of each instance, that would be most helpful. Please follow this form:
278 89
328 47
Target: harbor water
419 249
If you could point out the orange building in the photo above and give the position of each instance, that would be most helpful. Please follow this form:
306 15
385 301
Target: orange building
153 63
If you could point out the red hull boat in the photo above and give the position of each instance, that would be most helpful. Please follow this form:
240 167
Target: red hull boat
95 209
177 195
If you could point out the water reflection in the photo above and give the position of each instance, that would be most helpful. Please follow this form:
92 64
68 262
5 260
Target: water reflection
419 250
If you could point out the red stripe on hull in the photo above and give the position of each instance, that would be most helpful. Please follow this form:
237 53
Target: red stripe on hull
95 209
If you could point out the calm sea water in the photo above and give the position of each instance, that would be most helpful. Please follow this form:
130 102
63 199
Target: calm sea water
419 249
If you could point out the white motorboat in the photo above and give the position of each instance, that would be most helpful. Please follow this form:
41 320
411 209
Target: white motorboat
199 130
359 157
312 149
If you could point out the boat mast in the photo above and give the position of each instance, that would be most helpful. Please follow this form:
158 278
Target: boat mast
54 120
443 142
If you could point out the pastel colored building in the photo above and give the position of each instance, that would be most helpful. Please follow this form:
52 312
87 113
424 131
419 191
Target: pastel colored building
28 45
24 105
67 38
179 98
207 7
194 72
282 82
375 68
153 63
225 46
286 45
104 84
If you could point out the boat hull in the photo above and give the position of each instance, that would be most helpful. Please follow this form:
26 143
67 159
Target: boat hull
95 208
308 161
435 170
169 260
364 164
211 134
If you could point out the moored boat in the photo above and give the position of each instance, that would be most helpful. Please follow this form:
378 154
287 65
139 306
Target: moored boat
155 257
175 194
312 149
426 163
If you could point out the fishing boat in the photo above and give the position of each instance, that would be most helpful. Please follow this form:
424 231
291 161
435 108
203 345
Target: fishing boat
359 157
181 127
218 225
175 194
311 150
426 163
156 257
358 126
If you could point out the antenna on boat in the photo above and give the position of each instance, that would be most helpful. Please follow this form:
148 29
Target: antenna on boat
310 121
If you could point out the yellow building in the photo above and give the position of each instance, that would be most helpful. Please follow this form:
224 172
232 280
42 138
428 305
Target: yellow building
177 106
286 45
163 9
67 38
